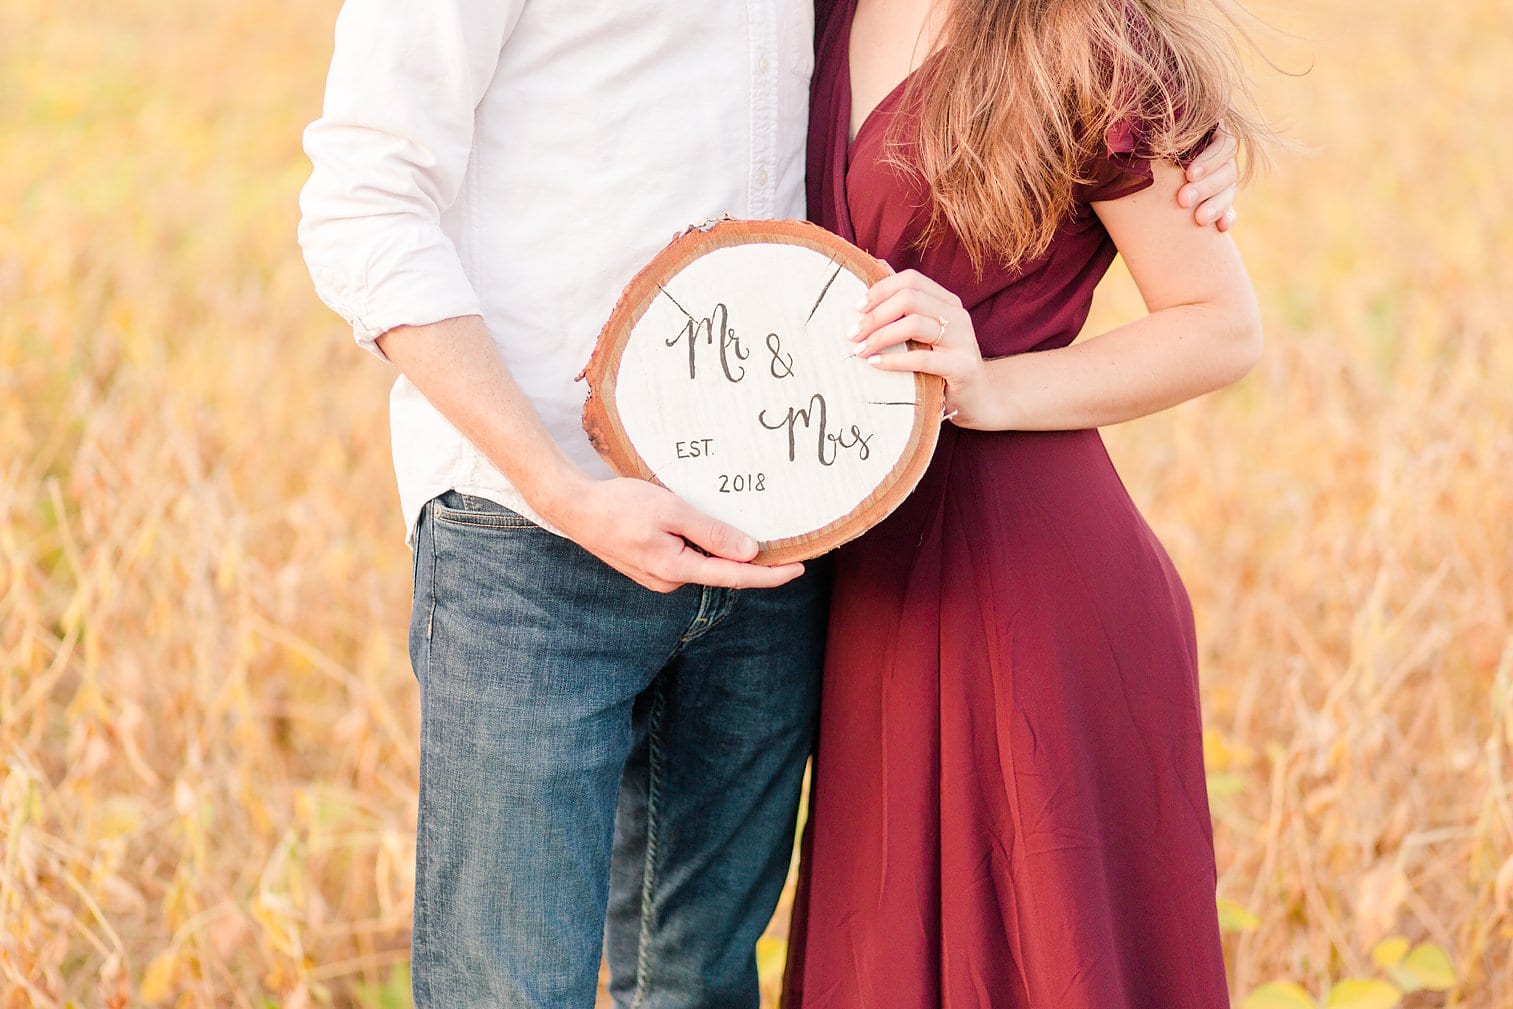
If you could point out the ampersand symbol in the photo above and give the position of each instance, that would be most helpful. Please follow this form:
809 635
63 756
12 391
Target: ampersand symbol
781 364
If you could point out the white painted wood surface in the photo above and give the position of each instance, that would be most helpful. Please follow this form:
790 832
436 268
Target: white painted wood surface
728 377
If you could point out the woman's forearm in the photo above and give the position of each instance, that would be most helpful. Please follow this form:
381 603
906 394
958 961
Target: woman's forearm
1156 362
1202 332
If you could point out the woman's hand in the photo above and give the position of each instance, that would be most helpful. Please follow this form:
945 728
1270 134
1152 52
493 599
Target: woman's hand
911 306
1212 183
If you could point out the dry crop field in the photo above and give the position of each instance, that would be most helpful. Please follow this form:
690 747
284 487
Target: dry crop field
207 719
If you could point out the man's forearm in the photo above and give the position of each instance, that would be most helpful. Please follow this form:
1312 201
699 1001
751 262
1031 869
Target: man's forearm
456 366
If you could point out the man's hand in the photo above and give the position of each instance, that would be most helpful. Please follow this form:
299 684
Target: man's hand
649 535
637 528
1213 183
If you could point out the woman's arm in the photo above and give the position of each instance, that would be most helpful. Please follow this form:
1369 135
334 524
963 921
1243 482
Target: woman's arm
1203 331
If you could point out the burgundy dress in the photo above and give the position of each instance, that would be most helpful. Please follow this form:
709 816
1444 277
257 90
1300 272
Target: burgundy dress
1009 807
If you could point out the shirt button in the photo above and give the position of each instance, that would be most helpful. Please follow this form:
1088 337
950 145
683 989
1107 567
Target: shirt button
762 65
761 177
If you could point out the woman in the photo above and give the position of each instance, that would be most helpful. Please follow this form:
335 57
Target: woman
1009 807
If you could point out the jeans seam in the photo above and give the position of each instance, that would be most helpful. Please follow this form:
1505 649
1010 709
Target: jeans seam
483 520
431 596
649 869
423 851
708 618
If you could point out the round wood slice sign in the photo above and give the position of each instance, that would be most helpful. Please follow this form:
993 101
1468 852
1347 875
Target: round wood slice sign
725 375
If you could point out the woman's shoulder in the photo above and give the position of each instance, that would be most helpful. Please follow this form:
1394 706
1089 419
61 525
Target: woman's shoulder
1165 76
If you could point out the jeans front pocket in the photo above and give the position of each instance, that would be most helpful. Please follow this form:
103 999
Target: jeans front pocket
457 509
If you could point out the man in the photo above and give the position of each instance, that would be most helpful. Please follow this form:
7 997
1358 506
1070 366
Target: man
616 705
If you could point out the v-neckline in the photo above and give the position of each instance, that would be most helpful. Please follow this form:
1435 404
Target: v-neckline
884 102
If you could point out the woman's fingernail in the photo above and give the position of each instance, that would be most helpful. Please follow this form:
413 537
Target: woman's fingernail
854 331
861 306
875 359
1196 172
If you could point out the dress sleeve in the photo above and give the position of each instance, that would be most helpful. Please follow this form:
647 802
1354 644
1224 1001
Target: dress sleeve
1122 165
1119 164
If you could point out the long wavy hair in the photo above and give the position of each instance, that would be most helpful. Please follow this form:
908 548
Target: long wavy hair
1019 96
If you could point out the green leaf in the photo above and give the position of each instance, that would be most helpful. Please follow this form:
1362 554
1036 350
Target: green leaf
1409 983
1430 965
1225 784
391 993
1235 917
158 978
1279 995
1363 993
1389 951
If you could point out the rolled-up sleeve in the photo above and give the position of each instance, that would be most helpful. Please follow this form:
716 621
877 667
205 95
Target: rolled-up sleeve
389 153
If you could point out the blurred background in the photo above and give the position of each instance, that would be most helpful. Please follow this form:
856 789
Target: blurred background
207 716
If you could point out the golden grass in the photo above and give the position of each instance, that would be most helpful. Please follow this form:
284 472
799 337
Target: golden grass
207 718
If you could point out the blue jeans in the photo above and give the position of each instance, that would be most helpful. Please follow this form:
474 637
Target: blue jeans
600 764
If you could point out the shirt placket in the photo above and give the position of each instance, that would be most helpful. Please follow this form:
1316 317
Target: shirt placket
764 67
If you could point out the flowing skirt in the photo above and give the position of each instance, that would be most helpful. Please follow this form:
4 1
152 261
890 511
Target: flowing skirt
1009 807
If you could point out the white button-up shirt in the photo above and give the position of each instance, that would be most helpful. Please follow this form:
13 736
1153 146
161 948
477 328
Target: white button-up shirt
521 160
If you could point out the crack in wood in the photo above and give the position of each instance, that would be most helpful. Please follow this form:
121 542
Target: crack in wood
823 291
675 302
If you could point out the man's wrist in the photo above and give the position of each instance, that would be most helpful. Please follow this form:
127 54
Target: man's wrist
559 493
